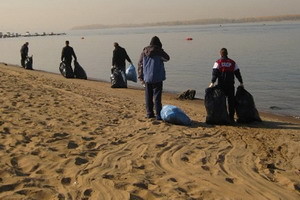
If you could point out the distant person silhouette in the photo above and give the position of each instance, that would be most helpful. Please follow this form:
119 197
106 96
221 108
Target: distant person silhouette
24 53
67 54
119 58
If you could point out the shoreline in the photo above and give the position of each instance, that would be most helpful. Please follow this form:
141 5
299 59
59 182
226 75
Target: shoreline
174 95
81 139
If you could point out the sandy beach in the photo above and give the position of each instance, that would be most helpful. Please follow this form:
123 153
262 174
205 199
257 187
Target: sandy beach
80 139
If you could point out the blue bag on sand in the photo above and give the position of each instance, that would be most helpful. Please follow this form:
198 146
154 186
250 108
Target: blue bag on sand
131 74
174 115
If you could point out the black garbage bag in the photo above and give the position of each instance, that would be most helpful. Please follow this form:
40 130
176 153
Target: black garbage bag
189 94
66 70
118 79
215 105
79 72
28 62
245 107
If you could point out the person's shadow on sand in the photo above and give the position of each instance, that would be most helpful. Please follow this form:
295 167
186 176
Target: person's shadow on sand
263 124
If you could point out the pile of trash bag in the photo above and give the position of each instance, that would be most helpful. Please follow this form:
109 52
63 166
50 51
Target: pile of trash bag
118 79
79 72
215 105
189 94
131 73
66 70
174 115
28 62
245 107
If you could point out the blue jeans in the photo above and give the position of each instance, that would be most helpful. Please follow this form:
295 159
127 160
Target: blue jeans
153 93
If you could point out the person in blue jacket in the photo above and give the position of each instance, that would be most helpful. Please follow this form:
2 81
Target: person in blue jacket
151 72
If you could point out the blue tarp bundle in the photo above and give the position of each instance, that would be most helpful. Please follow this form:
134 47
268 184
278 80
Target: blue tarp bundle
131 74
174 115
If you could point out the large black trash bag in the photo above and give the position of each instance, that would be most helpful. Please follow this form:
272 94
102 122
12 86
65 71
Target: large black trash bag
245 107
79 72
215 105
118 79
66 70
28 62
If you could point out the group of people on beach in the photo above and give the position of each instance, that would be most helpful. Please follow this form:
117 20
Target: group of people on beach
152 73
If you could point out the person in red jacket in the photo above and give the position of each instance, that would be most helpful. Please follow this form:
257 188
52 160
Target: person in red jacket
225 70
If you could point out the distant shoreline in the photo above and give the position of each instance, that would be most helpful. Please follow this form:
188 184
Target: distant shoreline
195 22
170 94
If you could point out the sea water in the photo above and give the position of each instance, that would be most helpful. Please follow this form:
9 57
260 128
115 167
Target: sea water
266 53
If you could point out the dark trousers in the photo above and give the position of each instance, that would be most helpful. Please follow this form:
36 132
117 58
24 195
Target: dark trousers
153 93
229 93
68 62
23 58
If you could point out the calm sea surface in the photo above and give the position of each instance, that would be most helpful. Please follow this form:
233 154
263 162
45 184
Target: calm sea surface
267 54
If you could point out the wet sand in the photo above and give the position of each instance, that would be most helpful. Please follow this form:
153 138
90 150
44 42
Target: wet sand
80 139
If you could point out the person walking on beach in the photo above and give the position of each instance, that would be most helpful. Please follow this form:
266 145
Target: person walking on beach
119 58
67 54
24 53
225 70
151 72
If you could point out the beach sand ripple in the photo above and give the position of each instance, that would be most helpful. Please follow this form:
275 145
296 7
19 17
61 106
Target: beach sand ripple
80 139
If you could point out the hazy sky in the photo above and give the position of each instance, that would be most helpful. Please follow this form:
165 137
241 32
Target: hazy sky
61 15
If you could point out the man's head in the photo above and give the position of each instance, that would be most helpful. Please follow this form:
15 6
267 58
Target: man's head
156 42
26 43
116 44
67 43
224 52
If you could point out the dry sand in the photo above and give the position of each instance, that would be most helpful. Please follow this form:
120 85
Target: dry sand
80 139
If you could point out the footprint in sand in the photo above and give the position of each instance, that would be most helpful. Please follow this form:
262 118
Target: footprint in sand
80 161
88 192
72 145
66 181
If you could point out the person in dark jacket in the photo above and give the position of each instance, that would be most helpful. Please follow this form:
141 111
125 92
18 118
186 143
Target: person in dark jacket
151 72
67 54
119 58
225 70
24 53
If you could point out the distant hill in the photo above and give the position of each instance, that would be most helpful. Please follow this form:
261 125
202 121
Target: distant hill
196 22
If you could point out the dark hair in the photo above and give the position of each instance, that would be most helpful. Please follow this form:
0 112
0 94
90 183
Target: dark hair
224 52
116 44
67 42
156 41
